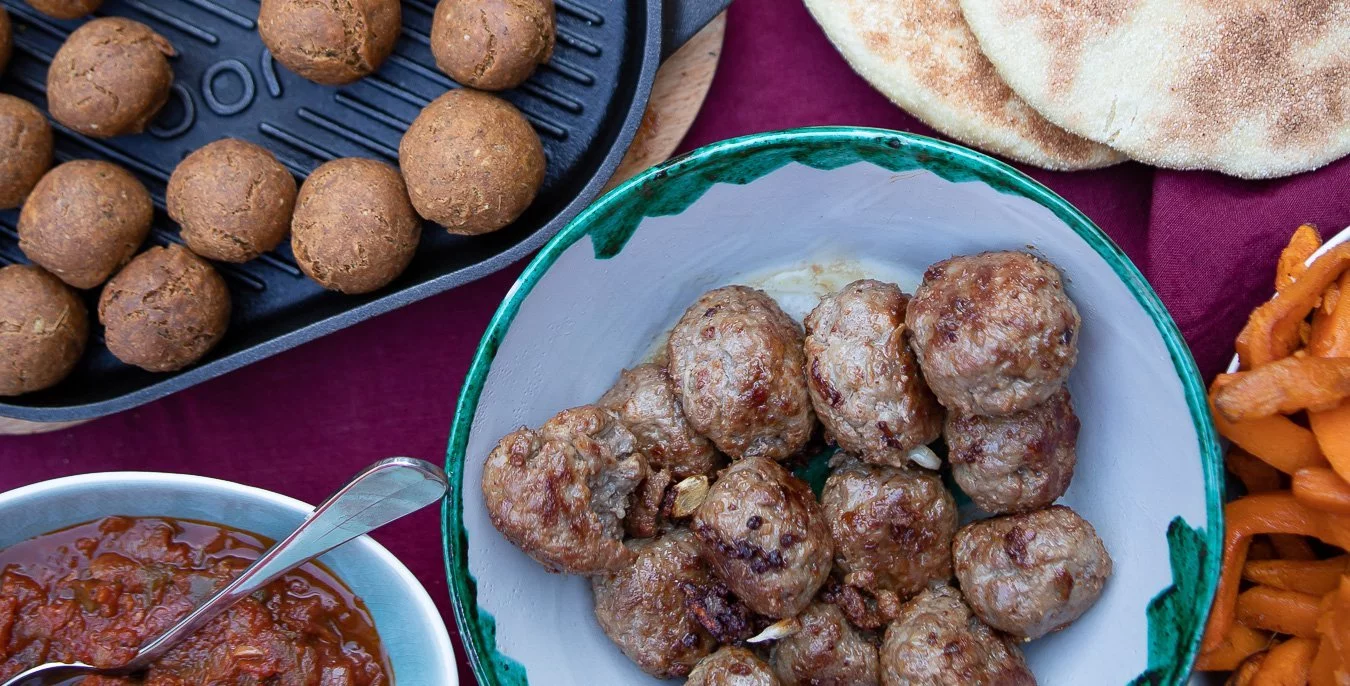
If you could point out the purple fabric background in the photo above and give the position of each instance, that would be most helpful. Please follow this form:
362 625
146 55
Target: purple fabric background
301 422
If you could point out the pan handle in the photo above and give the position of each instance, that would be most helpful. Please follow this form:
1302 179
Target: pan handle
681 19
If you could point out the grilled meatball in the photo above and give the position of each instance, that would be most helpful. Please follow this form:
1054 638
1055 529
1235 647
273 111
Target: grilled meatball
1031 574
642 607
825 652
892 527
1018 462
864 382
763 533
732 666
736 362
994 333
936 641
645 401
647 516
560 493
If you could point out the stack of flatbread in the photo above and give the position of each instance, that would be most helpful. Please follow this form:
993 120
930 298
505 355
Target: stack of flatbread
1252 88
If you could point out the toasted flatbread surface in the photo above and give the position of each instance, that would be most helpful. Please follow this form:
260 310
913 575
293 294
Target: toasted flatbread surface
1252 88
922 56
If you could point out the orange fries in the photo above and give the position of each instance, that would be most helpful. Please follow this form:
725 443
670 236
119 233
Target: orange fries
1287 620
1285 387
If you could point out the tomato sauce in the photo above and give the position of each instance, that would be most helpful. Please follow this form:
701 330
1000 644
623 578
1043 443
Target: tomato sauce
97 591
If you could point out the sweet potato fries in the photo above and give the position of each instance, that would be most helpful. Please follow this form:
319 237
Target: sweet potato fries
1286 620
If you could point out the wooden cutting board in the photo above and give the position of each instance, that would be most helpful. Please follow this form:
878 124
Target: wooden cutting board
677 96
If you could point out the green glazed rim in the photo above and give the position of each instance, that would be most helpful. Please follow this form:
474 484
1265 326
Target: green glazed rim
1176 616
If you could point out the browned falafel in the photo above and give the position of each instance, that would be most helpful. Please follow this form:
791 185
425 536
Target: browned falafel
233 200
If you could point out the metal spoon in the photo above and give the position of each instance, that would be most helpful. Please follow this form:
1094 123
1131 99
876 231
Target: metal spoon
385 491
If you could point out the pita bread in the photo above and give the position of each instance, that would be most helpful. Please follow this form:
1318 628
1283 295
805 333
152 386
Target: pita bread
921 55
1252 88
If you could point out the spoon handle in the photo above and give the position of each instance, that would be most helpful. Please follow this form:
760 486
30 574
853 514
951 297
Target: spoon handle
386 491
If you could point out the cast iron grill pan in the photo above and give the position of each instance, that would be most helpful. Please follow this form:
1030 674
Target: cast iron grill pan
585 105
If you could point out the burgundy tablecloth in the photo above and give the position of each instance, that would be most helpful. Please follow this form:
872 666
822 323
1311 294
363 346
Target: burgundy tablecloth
300 422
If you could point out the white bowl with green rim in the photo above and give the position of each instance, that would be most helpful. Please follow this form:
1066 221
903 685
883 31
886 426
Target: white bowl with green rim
797 212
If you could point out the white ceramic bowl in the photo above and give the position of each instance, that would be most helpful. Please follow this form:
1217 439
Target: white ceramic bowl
797 213
409 625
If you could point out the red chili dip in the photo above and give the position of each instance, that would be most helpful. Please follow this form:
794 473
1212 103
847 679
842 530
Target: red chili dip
96 592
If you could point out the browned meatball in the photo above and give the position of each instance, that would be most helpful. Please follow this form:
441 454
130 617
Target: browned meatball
645 400
732 666
6 39
164 310
864 381
936 641
1018 462
994 333
111 77
65 9
43 329
825 652
646 517
84 220
25 148
1031 574
642 607
892 528
330 43
560 493
233 199
736 361
763 533
492 44
354 230
472 162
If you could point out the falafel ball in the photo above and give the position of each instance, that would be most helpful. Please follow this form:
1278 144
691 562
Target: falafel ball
1018 462
560 493
330 43
165 310
827 651
472 162
6 39
732 666
43 329
937 641
762 532
65 9
25 149
1033 573
892 528
84 220
233 200
643 607
111 77
995 333
645 399
492 44
736 361
864 381
353 229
